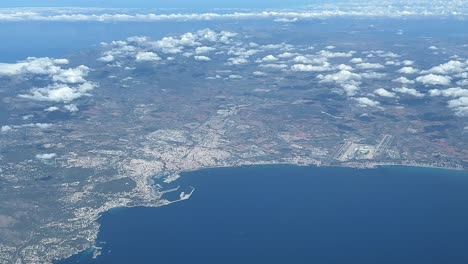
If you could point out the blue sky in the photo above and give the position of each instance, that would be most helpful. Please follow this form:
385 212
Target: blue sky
189 4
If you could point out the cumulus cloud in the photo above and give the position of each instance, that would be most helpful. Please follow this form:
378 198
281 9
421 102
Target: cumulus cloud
285 20
237 61
393 63
274 66
46 156
370 66
234 76
348 80
204 50
459 105
33 65
384 93
311 68
7 128
408 91
340 77
4 129
403 80
364 102
450 92
408 70
267 59
59 92
147 56
259 73
408 62
433 79
463 82
329 54
286 55
66 85
71 75
201 58
373 75
199 42
51 109
356 60
301 59
71 108
450 67
340 9
107 58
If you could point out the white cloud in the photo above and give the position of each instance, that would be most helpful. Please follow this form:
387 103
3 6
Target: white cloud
201 58
364 102
459 105
463 82
370 66
267 59
309 59
348 81
71 108
286 55
46 156
408 62
66 84
234 76
72 75
59 92
32 65
274 66
384 93
373 75
450 67
147 56
450 92
403 80
30 125
393 63
344 67
51 109
237 61
204 49
340 9
311 68
259 73
286 20
4 129
340 77
107 58
388 55
408 70
329 54
433 79
356 60
408 91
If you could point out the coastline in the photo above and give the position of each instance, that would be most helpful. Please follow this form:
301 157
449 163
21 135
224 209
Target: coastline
95 250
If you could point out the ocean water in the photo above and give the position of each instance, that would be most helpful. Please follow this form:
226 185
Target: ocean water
290 214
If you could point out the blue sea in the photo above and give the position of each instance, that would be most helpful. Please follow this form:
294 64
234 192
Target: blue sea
290 214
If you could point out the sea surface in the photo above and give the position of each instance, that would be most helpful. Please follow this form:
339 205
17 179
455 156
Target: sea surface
290 214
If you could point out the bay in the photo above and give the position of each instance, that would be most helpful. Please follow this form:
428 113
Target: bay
290 214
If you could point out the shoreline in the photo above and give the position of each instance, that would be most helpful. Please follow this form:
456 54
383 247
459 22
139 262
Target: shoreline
95 250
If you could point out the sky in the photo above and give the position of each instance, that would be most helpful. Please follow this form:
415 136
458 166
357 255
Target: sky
189 4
